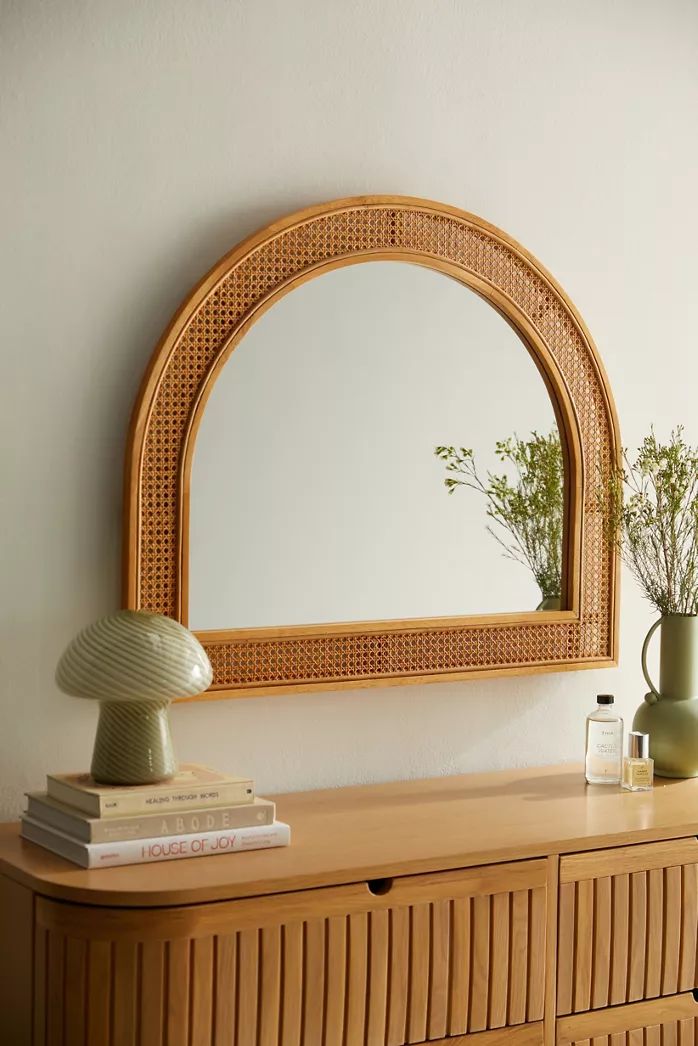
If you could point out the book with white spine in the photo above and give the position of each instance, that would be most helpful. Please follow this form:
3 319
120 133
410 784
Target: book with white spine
145 851
193 786
49 812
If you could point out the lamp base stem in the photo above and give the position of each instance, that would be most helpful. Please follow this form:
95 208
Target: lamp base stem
133 744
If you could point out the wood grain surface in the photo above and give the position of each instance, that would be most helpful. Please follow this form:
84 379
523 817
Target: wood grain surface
351 834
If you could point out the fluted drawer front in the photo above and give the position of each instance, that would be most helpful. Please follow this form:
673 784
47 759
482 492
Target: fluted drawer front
628 921
419 959
659 1022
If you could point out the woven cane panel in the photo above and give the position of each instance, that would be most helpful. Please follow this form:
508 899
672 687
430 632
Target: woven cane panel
264 270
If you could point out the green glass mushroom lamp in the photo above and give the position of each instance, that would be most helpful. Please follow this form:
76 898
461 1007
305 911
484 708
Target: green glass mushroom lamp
134 663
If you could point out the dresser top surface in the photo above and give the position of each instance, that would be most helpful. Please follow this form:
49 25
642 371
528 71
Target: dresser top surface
349 834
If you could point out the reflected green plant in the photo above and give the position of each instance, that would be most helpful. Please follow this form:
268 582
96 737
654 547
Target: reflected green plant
526 510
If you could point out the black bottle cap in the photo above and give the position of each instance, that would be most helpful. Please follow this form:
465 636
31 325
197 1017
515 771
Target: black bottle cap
605 699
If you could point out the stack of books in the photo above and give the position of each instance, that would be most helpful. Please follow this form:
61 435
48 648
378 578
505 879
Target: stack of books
198 813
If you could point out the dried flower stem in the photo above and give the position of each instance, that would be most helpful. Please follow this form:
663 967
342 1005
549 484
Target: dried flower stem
654 518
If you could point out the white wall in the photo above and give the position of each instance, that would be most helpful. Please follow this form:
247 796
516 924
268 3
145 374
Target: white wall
142 140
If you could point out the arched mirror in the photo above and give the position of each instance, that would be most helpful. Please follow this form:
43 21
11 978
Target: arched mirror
369 450
317 494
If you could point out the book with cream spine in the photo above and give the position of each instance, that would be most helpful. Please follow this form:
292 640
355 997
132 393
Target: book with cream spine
194 786
166 848
79 826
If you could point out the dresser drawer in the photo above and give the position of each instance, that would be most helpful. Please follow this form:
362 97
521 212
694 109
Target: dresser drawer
382 963
659 1022
627 925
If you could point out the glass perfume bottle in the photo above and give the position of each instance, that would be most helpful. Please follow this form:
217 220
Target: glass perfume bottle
604 743
638 768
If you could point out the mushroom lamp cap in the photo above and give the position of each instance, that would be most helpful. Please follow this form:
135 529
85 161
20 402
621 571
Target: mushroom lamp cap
133 655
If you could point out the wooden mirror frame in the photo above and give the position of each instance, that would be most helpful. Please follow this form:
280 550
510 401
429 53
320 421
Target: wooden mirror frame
189 358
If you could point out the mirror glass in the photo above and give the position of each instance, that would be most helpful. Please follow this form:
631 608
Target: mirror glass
318 493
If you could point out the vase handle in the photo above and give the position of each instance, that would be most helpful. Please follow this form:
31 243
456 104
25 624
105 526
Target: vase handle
654 694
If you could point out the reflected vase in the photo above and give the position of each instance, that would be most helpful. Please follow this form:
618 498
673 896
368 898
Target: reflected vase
669 713
549 603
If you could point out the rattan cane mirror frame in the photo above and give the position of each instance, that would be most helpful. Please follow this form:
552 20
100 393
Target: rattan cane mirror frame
181 374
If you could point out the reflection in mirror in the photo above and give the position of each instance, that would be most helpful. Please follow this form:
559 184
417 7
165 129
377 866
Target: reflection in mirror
525 506
316 496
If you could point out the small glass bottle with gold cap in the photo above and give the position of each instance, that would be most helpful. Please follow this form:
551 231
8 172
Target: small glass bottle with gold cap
638 768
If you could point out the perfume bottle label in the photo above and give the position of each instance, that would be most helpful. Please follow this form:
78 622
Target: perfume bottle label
640 774
604 742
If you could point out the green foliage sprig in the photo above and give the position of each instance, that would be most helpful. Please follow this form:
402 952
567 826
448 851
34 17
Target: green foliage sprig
654 515
527 515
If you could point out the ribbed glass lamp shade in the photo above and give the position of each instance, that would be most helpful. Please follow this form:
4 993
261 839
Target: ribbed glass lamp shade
133 655
134 663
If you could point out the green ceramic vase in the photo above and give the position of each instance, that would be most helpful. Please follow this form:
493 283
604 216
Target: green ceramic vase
670 713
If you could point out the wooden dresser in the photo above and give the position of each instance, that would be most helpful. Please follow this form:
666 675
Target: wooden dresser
516 907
